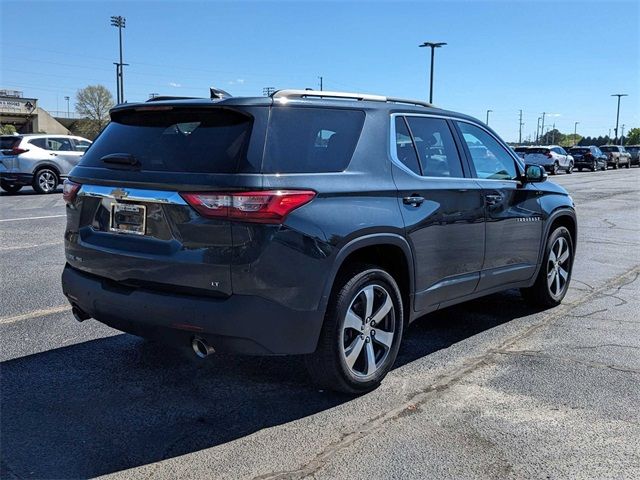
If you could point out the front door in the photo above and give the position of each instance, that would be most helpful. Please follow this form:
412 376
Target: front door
512 210
442 209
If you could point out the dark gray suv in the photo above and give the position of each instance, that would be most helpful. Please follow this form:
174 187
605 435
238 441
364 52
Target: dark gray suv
316 223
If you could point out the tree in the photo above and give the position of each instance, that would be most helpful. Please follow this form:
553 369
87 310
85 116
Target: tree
7 129
93 104
633 137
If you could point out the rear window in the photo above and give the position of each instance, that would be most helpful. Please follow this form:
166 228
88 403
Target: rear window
579 150
537 150
309 140
520 149
178 140
7 143
633 149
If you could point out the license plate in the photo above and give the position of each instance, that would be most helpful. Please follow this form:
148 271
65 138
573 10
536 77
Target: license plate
128 218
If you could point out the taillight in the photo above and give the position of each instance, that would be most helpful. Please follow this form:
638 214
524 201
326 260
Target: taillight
18 151
70 190
269 206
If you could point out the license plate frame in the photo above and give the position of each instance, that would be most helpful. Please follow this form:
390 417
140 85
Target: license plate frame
128 218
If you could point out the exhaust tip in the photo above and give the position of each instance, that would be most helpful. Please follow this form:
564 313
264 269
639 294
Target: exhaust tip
201 348
79 314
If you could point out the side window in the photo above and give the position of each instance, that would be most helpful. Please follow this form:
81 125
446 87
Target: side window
405 151
489 158
81 145
39 142
562 151
311 140
58 144
436 148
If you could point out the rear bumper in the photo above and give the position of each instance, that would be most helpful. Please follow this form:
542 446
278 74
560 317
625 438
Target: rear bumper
237 324
16 178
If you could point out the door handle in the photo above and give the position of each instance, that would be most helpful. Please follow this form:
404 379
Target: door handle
414 200
493 199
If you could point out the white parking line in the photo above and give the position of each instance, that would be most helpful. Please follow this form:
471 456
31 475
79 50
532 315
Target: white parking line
35 314
31 218
22 247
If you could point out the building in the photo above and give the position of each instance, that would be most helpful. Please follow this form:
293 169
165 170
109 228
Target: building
25 115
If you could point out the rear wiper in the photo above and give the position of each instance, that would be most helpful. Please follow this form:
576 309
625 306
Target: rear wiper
121 159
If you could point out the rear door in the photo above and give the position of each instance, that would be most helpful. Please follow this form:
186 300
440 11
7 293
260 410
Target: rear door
512 210
441 206
131 222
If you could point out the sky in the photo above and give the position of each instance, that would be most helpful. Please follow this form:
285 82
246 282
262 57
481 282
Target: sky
563 58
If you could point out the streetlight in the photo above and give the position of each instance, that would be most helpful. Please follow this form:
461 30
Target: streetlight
618 114
488 112
542 129
67 99
575 132
433 46
622 135
120 22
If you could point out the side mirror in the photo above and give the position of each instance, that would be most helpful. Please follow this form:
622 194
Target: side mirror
534 173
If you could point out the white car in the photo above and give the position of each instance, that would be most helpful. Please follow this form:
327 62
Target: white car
552 157
40 160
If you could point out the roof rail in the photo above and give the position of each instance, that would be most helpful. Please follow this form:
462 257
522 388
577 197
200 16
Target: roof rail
284 94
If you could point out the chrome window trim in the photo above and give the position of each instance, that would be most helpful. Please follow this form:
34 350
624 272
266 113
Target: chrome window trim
132 194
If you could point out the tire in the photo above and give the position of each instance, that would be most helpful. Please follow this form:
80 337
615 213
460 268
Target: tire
45 180
551 284
594 167
579 169
616 165
353 356
570 168
628 164
9 187
554 169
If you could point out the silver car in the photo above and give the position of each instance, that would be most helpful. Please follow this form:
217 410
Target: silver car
40 160
552 157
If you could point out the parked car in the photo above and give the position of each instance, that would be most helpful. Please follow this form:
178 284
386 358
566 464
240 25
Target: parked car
590 157
308 222
616 156
521 151
41 161
553 158
634 151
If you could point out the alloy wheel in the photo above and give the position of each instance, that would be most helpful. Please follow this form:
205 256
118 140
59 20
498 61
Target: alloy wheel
558 267
47 181
368 330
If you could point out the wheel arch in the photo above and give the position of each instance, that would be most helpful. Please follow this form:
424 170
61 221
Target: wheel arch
368 249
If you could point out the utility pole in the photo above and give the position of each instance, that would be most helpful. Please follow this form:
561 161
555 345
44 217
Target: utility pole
67 99
538 130
120 22
268 91
575 133
553 133
433 46
153 95
542 129
622 136
520 129
488 112
320 82
618 114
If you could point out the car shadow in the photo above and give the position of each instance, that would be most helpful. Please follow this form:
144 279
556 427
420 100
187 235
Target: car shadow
27 191
120 402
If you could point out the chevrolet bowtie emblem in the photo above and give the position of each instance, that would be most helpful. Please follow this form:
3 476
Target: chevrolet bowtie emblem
119 193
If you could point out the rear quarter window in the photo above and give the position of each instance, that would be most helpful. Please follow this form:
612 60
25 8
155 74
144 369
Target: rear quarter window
178 140
311 140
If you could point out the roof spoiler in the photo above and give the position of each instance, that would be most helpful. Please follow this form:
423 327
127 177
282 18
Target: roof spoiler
217 93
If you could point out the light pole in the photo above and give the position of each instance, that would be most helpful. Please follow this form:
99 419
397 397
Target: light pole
520 129
488 112
120 22
575 133
67 99
538 130
618 114
542 129
433 46
622 135
320 78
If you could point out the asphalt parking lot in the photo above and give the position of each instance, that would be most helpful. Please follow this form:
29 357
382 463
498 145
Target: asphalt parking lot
487 389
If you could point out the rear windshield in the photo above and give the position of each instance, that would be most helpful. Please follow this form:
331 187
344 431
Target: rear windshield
178 140
521 149
309 140
609 149
537 150
579 150
632 149
7 143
